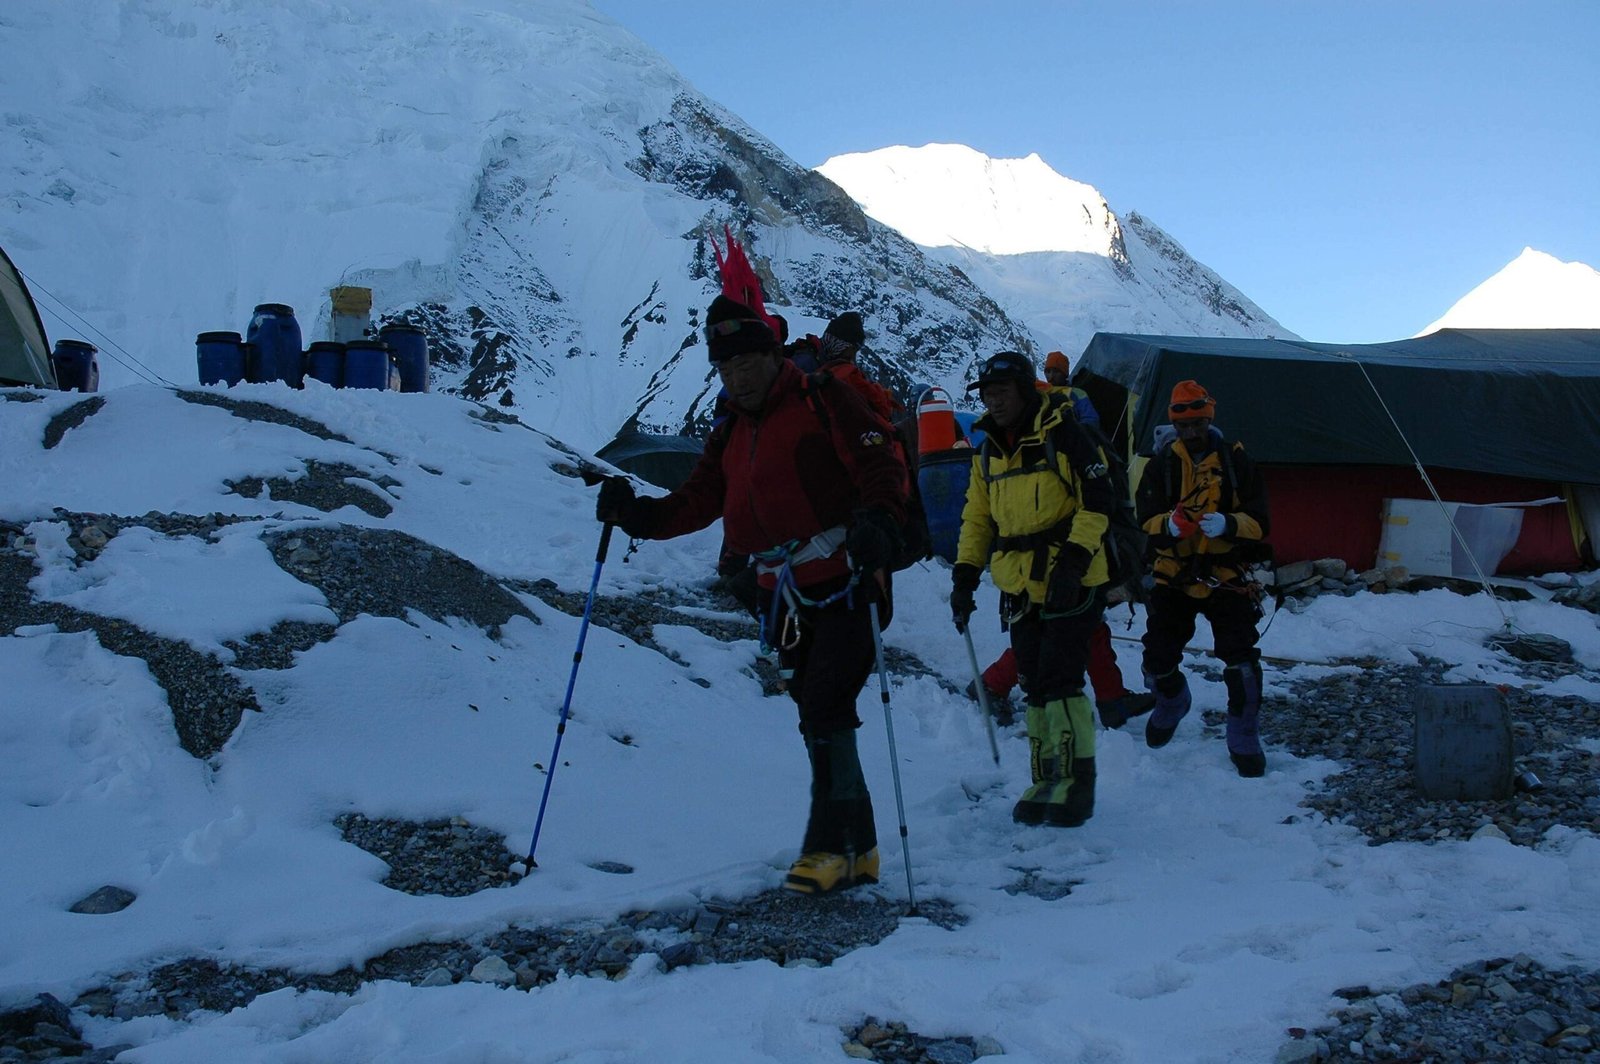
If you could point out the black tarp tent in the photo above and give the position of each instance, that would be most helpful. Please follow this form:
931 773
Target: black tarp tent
1514 402
1495 416
663 460
24 351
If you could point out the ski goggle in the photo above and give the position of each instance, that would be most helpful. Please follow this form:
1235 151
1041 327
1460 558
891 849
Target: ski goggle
731 326
1006 364
1192 404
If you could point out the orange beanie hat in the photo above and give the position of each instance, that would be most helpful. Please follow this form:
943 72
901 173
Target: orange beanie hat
1056 360
1189 400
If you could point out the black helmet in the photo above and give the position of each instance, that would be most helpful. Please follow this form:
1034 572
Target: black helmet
1005 366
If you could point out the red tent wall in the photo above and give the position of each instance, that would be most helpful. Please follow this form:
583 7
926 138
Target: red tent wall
1337 512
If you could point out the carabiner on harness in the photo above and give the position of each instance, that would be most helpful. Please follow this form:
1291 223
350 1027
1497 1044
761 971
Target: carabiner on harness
786 594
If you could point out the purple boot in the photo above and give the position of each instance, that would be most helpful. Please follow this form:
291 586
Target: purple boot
1244 713
1172 704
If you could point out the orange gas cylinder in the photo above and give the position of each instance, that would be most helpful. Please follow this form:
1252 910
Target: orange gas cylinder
936 422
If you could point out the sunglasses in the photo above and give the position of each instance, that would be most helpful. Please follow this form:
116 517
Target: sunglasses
1193 404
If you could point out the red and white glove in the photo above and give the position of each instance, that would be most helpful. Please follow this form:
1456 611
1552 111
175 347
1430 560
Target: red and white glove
1180 525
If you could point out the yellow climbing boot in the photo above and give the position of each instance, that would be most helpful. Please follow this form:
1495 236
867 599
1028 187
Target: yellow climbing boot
819 873
864 869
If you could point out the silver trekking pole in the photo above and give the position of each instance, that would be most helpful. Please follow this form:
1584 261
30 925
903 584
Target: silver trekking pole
894 758
983 692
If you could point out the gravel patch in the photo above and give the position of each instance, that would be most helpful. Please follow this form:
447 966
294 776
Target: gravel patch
895 1043
207 700
387 573
326 486
778 926
71 418
1364 719
449 857
1504 1010
264 412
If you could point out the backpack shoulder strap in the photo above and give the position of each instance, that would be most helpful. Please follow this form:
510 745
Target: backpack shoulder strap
814 385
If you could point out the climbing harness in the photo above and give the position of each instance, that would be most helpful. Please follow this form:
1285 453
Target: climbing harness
779 562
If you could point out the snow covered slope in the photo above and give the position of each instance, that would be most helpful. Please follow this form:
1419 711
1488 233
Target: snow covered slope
1194 919
525 179
1050 249
1534 291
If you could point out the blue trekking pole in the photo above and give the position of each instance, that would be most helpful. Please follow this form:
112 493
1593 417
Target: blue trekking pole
566 703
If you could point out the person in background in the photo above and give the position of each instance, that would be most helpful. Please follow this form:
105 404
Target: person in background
1202 501
1058 379
818 505
1038 505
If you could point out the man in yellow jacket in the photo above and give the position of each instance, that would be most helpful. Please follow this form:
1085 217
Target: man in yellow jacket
1039 499
1203 503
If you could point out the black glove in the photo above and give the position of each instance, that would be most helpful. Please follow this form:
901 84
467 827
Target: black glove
963 582
873 541
617 501
742 587
1065 589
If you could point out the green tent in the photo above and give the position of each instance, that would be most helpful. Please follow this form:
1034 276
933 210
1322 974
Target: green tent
24 352
665 461
1496 416
1513 402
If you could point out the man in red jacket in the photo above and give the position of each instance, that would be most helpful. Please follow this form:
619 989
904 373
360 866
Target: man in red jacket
806 481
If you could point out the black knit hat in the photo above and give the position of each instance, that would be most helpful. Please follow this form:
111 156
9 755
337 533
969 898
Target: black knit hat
733 329
1005 366
847 327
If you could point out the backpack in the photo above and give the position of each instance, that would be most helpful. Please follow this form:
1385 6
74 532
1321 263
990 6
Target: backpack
1124 540
916 541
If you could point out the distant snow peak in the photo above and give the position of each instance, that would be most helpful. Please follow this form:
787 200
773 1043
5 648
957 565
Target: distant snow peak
1050 249
950 195
1534 291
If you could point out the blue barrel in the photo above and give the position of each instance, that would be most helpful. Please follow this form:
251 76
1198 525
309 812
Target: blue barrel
325 362
76 366
942 478
367 364
255 370
221 357
965 422
410 347
274 330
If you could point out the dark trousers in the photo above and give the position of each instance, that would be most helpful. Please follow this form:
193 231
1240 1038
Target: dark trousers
832 661
1053 653
1233 616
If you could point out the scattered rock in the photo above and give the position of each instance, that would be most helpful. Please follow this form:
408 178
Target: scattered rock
894 1043
492 969
107 899
1501 1011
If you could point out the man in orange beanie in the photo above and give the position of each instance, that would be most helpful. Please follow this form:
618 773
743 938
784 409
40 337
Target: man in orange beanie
1202 502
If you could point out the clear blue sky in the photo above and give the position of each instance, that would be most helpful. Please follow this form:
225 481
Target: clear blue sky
1354 167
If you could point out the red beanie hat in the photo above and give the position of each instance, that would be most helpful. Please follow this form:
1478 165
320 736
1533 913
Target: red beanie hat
1189 400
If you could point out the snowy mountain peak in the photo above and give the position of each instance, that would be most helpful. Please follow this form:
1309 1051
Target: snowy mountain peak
1049 249
1534 291
950 195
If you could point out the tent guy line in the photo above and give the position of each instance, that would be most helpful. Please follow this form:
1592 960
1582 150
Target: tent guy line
127 360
